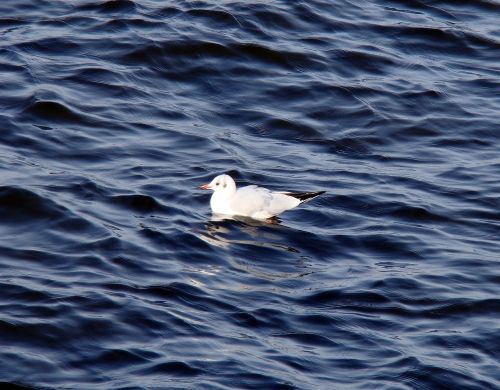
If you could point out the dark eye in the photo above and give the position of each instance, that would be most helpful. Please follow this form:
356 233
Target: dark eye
216 184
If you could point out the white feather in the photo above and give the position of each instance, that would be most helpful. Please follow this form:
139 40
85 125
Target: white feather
250 201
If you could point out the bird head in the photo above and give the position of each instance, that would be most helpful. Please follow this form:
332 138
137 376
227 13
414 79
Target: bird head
221 183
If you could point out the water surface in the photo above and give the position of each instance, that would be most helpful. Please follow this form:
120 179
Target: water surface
113 274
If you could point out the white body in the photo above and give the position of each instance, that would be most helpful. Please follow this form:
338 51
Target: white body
250 201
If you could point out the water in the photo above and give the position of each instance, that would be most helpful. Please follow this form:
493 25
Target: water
114 276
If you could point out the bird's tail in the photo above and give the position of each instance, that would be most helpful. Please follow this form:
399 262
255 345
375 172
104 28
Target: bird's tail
304 196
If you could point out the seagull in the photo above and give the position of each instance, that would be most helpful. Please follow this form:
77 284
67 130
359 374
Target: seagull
252 201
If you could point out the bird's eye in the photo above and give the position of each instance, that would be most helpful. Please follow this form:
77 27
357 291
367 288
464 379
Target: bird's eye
216 184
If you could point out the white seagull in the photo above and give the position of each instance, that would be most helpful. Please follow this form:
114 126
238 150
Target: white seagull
252 201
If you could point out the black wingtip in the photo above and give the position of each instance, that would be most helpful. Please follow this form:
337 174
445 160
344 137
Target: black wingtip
304 196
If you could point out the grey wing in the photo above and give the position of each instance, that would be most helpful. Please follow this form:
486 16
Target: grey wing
281 202
258 201
250 200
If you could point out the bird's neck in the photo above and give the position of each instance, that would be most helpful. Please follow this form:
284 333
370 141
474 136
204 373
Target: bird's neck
220 201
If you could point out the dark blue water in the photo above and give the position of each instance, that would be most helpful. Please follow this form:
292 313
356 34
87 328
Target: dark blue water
112 274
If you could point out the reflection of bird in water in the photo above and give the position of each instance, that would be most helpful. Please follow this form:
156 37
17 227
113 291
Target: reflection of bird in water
218 233
252 201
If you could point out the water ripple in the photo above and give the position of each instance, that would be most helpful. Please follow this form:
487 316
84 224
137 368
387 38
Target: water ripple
114 273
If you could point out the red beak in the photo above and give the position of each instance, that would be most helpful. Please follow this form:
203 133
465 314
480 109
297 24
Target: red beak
205 187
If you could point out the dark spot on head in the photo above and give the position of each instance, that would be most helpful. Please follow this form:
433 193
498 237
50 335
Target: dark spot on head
217 184
225 185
